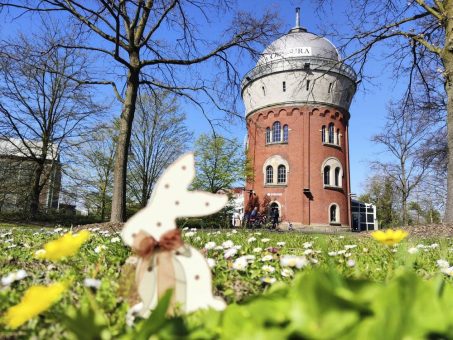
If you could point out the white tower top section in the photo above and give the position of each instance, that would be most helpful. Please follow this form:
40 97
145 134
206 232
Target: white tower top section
299 68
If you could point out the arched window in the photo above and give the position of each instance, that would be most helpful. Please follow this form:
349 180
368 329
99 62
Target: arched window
323 133
285 133
333 213
269 174
337 176
338 137
281 174
331 133
276 132
327 175
268 135
332 173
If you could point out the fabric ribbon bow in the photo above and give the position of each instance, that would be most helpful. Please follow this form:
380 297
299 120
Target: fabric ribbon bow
146 247
144 244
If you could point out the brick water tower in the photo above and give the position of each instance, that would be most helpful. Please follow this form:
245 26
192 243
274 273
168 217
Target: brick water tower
297 102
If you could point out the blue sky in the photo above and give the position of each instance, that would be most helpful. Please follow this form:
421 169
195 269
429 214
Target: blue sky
368 108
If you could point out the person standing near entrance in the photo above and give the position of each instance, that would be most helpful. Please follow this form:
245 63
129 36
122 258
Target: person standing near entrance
275 216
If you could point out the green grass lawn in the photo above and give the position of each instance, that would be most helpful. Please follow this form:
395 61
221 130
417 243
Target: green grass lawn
244 264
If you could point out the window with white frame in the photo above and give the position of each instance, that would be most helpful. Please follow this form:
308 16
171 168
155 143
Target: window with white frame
334 213
276 132
275 171
285 133
281 174
338 137
332 173
269 174
323 133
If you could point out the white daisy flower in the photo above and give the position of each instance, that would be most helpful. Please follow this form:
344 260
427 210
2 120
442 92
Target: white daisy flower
350 263
332 253
189 234
211 262
250 258
210 245
257 250
14 276
308 251
293 261
132 313
307 245
92 283
265 240
412 250
287 272
227 244
251 239
115 239
268 280
350 246
268 269
281 244
442 264
234 231
240 263
267 258
230 253
99 248
447 271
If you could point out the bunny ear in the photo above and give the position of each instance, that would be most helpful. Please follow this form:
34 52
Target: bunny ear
199 203
176 178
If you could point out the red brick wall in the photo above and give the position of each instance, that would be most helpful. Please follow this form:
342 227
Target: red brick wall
305 154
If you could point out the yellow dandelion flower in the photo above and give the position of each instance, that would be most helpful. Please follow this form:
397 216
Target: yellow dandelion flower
389 237
65 246
36 300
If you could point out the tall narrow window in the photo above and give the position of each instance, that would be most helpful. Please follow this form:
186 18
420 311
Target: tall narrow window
331 133
308 85
264 90
276 132
281 174
323 133
338 137
327 175
337 176
285 133
284 86
330 88
333 213
268 135
269 174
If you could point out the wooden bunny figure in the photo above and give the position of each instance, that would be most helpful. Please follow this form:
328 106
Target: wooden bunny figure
164 260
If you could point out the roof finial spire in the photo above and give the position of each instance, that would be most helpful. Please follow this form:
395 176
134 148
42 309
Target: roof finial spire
297 17
298 27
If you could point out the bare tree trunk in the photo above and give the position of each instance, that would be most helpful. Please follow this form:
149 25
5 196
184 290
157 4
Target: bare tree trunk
120 168
103 201
404 192
447 59
35 189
